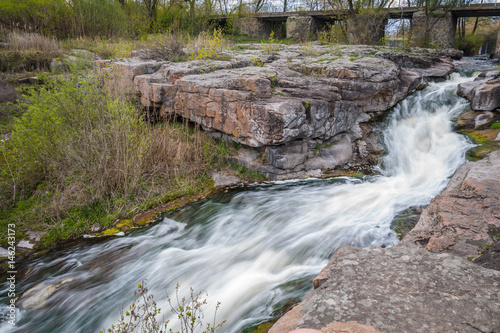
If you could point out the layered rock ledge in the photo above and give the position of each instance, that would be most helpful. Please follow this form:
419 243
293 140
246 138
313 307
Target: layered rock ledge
296 111
483 92
427 283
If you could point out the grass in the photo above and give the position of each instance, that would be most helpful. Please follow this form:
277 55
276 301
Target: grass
325 59
28 52
248 174
107 48
495 126
29 41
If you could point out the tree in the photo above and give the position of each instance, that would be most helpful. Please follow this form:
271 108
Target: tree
365 21
435 12
151 6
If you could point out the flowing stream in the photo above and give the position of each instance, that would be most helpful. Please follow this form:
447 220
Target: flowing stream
254 249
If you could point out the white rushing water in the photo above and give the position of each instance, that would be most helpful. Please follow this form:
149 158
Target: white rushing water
255 249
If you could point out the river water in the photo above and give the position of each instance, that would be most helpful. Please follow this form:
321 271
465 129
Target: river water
256 248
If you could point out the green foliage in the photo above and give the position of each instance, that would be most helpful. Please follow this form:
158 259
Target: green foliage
98 18
271 47
495 126
207 46
469 44
104 18
256 62
334 33
246 173
107 48
81 155
63 19
141 315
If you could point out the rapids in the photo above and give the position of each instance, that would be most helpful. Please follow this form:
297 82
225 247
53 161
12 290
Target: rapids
255 248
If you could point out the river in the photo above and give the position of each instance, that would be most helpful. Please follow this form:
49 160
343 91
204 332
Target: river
255 248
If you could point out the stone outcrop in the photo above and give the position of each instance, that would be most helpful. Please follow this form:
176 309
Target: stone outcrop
466 215
427 282
483 92
400 290
304 108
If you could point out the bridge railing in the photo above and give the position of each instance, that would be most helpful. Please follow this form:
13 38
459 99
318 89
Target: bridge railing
278 6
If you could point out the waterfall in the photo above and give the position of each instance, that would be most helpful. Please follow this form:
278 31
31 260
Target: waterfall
256 248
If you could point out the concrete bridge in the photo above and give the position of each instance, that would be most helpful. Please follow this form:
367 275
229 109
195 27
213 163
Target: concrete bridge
304 24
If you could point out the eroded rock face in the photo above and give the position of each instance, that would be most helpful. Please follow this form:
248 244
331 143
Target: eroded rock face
460 220
400 290
483 92
302 106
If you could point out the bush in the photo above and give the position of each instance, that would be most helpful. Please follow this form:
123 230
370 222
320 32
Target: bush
103 18
165 46
141 315
79 148
63 18
469 44
207 46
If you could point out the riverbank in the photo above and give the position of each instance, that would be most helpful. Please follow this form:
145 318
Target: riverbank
332 131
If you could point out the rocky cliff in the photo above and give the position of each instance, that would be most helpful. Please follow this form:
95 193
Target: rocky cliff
295 110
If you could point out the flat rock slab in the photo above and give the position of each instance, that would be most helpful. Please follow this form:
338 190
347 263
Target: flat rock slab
400 290
222 178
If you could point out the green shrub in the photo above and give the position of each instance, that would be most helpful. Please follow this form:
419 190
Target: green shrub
165 46
469 44
207 46
91 148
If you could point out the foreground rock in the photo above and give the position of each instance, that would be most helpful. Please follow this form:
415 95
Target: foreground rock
400 290
296 111
466 216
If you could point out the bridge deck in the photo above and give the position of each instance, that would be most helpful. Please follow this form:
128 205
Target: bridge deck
478 10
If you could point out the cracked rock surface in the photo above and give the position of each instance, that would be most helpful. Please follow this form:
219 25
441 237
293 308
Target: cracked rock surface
400 290
289 104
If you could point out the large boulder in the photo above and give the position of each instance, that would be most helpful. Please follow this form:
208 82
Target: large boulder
483 92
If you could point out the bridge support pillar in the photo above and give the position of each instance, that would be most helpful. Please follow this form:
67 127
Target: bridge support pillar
300 27
367 28
253 27
497 49
435 29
